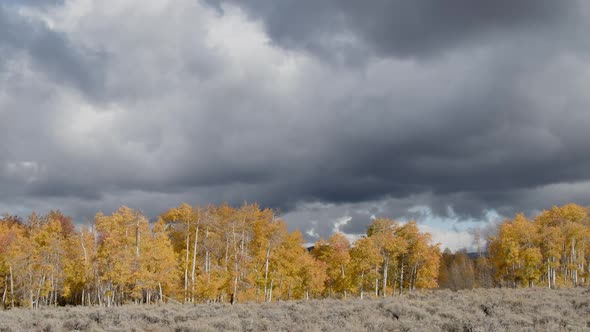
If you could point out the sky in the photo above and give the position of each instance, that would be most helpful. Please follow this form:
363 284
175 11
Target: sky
454 113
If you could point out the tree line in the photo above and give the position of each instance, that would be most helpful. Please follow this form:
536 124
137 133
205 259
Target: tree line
203 254
550 250
228 254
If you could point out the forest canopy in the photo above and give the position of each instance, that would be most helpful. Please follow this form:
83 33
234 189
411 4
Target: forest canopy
202 254
227 254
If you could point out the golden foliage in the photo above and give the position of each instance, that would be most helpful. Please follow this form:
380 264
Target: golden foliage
202 254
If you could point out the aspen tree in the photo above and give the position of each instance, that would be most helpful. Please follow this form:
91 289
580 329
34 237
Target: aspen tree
335 253
392 247
364 256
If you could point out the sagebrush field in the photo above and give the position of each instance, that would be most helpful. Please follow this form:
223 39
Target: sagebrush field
440 310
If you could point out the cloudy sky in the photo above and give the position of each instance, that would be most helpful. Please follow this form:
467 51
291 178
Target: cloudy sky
455 113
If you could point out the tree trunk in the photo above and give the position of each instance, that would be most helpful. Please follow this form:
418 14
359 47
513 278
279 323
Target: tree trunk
362 284
84 249
226 253
376 281
52 292
236 267
194 262
186 263
548 275
207 258
270 290
11 288
574 272
343 278
266 270
4 293
385 268
98 294
281 287
414 277
38 295
401 280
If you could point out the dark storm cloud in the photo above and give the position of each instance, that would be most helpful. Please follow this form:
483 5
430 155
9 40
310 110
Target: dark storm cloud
464 108
340 29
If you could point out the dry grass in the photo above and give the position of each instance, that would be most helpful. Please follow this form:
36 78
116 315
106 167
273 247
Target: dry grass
442 310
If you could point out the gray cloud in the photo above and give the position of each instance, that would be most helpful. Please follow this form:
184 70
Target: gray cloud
340 29
49 52
465 110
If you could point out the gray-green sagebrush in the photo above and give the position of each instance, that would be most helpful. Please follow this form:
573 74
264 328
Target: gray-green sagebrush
440 310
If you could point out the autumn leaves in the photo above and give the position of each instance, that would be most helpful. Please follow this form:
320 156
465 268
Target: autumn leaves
202 254
390 259
223 254
119 259
247 254
553 249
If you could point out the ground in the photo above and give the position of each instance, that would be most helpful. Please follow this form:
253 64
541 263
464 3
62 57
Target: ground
440 310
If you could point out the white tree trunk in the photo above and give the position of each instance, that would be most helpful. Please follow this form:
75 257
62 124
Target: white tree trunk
385 269
194 262
362 284
266 272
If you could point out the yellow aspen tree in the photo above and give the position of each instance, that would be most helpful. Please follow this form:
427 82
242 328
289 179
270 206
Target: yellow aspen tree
532 261
21 258
392 249
183 221
417 255
268 232
50 247
551 247
364 257
79 267
572 221
118 255
505 252
285 271
11 230
312 275
160 262
516 251
427 273
335 253
277 234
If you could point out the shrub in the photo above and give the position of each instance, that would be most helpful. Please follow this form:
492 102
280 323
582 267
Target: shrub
469 310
